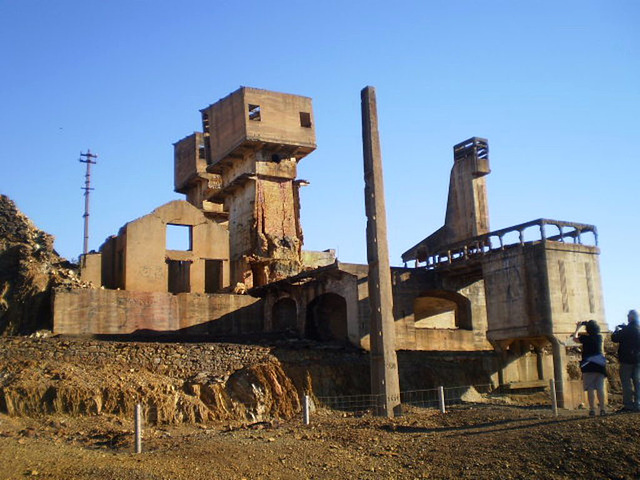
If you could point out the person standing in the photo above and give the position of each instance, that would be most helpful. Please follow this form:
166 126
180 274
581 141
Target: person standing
628 338
593 364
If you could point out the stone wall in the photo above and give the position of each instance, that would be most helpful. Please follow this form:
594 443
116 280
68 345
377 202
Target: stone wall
182 360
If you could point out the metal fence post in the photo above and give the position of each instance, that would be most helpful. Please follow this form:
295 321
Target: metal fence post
443 408
554 400
138 428
305 409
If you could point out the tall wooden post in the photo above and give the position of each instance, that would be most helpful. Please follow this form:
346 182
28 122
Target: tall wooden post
384 363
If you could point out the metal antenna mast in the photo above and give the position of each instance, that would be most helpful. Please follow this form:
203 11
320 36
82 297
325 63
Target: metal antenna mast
88 159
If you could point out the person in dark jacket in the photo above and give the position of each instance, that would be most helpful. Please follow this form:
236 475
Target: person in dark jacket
593 364
628 338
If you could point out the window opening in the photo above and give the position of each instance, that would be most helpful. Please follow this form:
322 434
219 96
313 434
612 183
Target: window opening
179 237
305 119
254 112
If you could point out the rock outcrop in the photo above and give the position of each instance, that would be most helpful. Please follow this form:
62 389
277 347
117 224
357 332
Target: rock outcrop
29 269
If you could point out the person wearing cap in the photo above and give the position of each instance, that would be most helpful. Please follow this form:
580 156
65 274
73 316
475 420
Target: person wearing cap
593 364
628 339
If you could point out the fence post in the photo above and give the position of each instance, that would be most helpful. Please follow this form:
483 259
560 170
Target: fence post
305 409
138 428
443 409
554 400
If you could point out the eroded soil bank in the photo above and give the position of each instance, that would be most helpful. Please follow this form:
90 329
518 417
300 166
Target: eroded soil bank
203 382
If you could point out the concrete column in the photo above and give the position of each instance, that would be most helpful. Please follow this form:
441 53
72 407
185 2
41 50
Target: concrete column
560 372
384 364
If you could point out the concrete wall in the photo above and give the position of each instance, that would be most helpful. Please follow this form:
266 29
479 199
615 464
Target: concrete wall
575 286
542 289
144 254
264 222
303 294
467 207
315 259
228 126
114 312
241 208
91 268
189 161
410 284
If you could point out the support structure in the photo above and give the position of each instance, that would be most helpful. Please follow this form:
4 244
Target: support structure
384 363
87 158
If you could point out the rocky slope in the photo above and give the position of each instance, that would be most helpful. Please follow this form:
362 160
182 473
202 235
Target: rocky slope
29 269
174 383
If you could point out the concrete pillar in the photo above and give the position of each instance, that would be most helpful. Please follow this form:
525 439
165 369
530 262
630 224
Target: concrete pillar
560 372
384 363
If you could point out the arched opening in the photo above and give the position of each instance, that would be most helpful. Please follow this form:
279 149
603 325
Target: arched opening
442 309
327 318
284 315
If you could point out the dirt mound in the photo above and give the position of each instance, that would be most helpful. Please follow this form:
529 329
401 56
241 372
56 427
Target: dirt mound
29 269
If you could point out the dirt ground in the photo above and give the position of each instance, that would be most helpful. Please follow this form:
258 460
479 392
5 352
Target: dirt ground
479 442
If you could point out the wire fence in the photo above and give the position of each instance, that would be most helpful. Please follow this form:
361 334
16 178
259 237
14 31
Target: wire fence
432 398
439 397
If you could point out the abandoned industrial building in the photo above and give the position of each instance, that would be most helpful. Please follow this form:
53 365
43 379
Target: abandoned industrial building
511 294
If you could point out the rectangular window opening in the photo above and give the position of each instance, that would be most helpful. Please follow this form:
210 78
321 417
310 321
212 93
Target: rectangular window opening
179 237
305 119
254 112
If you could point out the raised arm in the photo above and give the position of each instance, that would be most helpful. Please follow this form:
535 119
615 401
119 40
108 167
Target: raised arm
575 333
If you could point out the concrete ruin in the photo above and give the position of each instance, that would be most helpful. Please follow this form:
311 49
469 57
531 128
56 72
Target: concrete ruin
511 295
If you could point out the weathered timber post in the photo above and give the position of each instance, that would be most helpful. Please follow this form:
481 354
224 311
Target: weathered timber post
384 363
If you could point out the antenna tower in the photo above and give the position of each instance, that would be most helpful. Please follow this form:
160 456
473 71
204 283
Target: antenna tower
87 158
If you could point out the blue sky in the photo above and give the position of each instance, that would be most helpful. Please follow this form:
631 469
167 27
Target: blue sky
554 86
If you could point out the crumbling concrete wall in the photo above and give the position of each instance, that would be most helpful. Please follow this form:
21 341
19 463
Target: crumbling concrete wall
410 285
254 140
322 306
136 259
116 312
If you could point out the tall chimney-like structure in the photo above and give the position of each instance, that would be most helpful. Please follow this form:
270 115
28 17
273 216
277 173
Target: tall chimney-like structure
384 363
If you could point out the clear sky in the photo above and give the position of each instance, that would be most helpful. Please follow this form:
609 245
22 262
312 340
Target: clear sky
554 86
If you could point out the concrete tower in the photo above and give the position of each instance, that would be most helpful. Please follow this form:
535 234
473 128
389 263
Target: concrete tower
467 206
252 142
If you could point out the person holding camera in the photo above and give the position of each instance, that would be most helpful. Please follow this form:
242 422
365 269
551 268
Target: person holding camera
593 364
628 338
